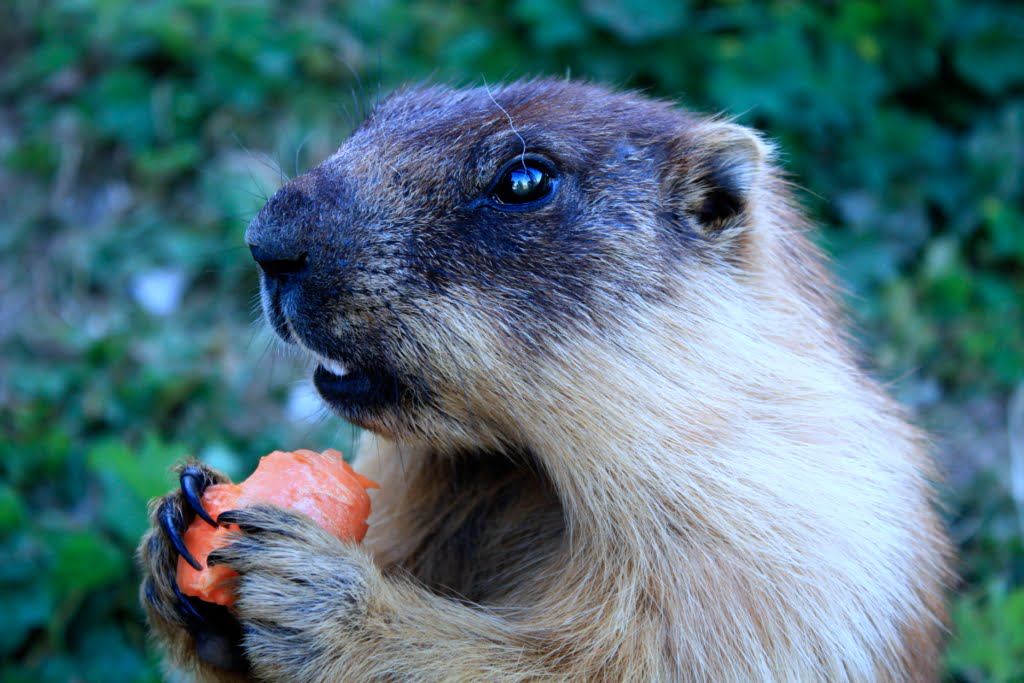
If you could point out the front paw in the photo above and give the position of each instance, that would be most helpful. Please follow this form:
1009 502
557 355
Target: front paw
190 628
298 586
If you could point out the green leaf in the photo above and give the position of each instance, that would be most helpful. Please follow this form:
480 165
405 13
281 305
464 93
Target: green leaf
104 650
553 23
989 642
130 478
1003 222
25 608
166 162
144 471
991 53
118 103
83 561
42 452
12 509
638 20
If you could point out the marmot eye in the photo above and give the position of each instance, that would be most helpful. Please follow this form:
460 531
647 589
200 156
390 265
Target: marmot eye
523 182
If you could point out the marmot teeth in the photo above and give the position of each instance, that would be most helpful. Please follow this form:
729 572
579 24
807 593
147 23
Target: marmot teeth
334 367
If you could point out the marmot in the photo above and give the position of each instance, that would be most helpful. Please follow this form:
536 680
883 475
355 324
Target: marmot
619 431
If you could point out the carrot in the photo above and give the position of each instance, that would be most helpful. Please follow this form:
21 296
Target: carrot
320 485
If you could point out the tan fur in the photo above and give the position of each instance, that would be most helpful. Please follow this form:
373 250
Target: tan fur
710 489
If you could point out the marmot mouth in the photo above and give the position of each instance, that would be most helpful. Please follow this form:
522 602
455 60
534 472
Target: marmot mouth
357 393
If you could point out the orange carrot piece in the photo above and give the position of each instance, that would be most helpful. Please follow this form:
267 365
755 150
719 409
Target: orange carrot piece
320 485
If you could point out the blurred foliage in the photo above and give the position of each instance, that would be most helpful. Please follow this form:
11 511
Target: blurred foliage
137 139
990 642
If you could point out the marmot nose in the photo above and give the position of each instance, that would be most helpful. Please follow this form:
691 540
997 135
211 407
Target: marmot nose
279 263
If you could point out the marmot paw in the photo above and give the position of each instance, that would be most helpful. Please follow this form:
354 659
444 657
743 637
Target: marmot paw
215 632
299 588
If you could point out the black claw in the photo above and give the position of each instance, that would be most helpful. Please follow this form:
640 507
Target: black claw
193 483
170 522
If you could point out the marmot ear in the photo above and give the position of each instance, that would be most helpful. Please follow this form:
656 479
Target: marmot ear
714 171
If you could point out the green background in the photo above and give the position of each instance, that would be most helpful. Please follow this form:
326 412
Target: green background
138 138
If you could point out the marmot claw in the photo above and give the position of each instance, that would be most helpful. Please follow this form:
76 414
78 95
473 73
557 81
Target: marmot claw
193 483
173 525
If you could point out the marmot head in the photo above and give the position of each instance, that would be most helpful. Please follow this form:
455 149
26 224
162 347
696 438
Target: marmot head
460 235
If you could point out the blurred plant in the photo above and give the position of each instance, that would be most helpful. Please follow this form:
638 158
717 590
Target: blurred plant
989 644
136 140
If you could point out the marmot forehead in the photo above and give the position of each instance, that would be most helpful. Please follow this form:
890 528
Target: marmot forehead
568 106
578 121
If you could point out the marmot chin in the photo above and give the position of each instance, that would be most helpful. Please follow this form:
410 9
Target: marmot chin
618 427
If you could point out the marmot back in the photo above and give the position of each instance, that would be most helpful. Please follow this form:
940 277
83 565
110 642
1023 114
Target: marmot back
619 429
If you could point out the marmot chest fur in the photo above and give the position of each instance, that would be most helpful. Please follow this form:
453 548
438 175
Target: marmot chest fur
619 430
